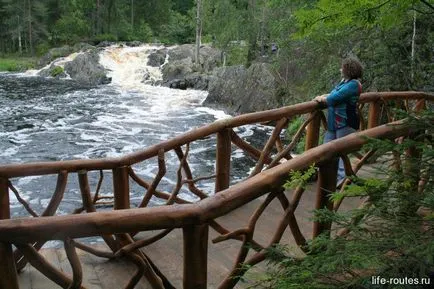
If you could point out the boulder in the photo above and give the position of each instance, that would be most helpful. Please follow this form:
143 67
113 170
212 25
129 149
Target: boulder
134 43
53 71
85 68
240 90
157 58
63 51
181 71
177 69
55 53
194 81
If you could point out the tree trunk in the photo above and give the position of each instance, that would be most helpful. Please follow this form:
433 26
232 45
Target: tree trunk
251 54
30 27
198 32
20 47
413 44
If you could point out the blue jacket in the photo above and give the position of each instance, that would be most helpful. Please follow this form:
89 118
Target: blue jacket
341 104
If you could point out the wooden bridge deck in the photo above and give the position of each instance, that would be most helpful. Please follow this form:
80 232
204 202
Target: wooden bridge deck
167 254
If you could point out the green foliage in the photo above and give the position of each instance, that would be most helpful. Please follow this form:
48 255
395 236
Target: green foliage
236 55
71 28
143 32
300 179
42 48
16 64
56 71
104 37
387 237
180 29
292 129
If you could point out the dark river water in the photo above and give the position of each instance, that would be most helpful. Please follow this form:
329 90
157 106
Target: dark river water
50 120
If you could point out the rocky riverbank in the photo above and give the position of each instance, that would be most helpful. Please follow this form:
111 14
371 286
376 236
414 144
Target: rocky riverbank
236 89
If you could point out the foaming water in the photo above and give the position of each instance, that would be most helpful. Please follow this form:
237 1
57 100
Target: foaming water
44 119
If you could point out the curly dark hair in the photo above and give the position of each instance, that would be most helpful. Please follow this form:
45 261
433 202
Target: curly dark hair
352 68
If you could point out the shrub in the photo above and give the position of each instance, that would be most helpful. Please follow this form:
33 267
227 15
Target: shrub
56 71
391 237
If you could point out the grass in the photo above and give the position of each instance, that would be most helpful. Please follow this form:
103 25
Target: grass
15 63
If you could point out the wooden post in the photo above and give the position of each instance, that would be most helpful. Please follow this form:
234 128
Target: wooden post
312 135
89 206
8 271
326 184
195 256
121 188
223 160
374 114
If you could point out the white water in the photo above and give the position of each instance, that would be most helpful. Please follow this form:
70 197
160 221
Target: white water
45 120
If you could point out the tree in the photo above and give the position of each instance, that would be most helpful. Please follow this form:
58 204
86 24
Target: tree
391 236
198 30
314 36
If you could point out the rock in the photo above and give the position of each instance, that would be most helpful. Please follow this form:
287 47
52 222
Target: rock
63 51
197 81
157 58
177 69
105 43
240 90
134 43
85 68
53 71
82 46
181 71
54 53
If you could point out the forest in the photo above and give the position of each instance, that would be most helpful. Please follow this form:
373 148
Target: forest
393 38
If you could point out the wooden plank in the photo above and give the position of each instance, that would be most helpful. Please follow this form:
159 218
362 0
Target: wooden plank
115 274
24 278
90 278
167 254
40 281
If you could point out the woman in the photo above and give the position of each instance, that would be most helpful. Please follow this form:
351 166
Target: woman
342 116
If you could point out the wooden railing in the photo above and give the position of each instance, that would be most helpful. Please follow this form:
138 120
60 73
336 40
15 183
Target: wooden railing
21 238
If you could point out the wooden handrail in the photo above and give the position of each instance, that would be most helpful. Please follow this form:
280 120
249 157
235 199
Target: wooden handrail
122 221
116 227
44 168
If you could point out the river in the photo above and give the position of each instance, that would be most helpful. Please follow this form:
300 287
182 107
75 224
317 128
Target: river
46 119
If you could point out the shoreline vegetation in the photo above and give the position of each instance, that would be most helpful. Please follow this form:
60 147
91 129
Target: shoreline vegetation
14 63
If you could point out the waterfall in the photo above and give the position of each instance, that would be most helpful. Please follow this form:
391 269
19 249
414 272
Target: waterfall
128 66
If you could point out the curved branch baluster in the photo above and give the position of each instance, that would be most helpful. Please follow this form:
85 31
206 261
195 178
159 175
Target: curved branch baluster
141 243
55 200
89 206
77 272
43 266
156 181
238 270
178 185
248 148
287 150
22 201
269 146
190 181
158 194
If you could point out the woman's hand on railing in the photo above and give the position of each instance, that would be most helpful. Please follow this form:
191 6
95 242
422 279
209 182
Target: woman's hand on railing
321 98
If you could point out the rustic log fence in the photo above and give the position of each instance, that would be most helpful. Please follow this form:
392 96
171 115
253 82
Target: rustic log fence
21 238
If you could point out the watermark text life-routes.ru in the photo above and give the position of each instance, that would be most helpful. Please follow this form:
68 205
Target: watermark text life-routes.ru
378 280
